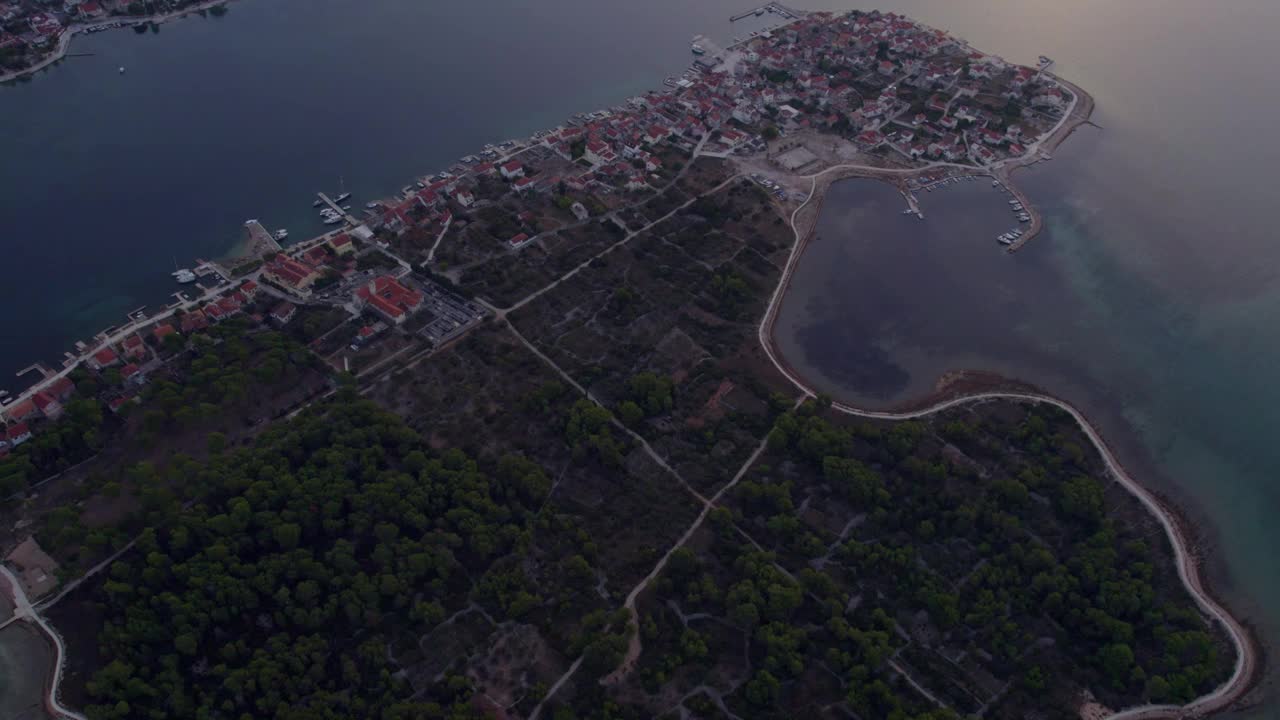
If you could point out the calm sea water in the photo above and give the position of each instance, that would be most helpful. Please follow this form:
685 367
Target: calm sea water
1151 301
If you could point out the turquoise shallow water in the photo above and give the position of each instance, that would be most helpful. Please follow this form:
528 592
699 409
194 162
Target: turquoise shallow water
1152 301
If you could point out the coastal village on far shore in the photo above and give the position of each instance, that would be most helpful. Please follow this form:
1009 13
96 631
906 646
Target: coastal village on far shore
34 32
868 90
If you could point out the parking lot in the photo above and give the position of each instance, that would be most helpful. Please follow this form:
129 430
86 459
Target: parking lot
450 314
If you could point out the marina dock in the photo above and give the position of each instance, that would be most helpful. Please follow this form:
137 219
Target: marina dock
348 217
745 15
772 7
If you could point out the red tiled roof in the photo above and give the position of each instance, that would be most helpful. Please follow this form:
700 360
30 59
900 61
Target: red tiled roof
105 356
62 387
43 400
388 296
283 310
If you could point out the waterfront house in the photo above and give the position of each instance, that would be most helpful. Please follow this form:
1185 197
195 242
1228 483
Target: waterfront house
523 184
249 288
342 244
47 404
519 240
465 198
163 331
62 388
512 170
194 321
22 411
104 358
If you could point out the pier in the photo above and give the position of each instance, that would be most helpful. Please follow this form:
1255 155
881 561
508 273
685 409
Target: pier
261 241
747 14
772 7
45 372
338 209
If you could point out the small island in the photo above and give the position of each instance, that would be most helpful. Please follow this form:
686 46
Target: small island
516 443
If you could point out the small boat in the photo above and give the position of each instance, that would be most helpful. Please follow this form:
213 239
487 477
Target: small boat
697 49
346 207
371 205
121 69
317 203
342 197
333 220
759 12
281 234
184 276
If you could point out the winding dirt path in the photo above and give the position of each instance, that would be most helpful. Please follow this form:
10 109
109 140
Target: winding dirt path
1246 665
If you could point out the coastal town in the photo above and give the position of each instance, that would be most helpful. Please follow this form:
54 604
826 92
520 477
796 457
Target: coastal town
621 262
874 90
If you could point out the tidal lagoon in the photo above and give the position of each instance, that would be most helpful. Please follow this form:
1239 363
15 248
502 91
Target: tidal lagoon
1149 301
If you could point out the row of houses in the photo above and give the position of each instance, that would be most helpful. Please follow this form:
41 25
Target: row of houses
298 272
130 356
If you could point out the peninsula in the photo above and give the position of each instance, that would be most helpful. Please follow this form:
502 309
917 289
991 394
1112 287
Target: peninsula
516 443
